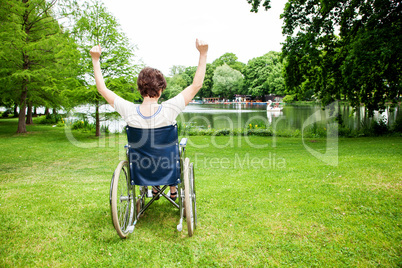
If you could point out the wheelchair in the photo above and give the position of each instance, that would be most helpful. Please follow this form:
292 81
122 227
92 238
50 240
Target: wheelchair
155 160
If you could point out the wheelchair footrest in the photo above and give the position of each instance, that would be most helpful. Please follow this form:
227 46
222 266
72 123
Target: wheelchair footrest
180 225
130 229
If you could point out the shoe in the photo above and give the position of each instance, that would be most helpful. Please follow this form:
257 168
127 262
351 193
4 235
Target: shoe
154 193
173 196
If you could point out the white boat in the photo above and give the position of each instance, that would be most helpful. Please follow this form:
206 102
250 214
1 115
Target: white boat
276 108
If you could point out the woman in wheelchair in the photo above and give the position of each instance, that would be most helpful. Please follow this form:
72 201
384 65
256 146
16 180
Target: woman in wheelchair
150 114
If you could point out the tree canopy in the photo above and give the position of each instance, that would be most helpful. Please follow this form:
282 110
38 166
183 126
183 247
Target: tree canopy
92 24
231 60
342 49
227 81
206 90
263 75
334 49
36 56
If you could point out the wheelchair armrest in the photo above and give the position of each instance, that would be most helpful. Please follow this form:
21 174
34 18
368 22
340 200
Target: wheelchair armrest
183 142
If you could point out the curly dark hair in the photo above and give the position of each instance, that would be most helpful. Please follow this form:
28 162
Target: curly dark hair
151 82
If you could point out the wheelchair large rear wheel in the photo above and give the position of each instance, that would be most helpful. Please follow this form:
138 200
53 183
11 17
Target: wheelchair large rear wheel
194 203
122 200
189 198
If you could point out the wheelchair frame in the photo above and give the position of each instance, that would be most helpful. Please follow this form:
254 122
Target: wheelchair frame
127 206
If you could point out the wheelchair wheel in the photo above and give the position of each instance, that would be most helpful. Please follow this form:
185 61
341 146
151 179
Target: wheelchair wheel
122 200
188 197
140 199
192 183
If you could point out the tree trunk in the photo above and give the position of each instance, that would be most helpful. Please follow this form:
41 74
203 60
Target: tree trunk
54 111
29 115
21 118
25 66
47 111
97 121
34 112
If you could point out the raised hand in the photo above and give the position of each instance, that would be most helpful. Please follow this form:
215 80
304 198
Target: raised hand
96 52
201 46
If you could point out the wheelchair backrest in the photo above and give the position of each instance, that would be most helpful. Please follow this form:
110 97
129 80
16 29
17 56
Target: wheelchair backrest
153 155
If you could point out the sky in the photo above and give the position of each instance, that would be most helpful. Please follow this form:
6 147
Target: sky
164 32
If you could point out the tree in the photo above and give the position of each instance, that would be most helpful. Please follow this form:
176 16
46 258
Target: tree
343 48
175 85
181 78
31 51
171 91
230 59
227 81
92 24
188 74
256 4
207 86
177 69
263 75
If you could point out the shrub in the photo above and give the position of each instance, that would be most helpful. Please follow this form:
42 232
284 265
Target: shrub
83 125
183 129
315 131
289 98
258 132
344 131
61 123
104 129
379 128
6 113
79 124
222 132
397 125
49 119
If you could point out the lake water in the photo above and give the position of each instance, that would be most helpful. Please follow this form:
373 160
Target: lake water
234 116
292 117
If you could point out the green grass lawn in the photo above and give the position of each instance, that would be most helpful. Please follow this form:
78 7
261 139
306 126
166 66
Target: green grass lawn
275 205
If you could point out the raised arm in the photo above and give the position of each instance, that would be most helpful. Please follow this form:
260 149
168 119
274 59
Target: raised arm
193 89
100 83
